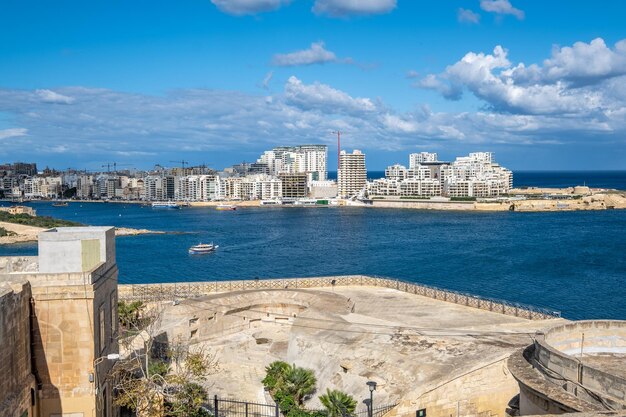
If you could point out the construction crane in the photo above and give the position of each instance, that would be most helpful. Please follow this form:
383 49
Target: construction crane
115 165
182 163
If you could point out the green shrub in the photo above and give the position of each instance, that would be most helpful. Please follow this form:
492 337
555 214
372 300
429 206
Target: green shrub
39 221
5 232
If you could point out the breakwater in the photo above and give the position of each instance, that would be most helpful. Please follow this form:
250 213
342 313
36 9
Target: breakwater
180 290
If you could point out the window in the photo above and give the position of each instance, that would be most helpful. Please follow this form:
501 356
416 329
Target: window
114 319
102 335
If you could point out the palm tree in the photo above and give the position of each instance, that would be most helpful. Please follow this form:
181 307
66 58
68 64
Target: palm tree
276 373
300 383
337 403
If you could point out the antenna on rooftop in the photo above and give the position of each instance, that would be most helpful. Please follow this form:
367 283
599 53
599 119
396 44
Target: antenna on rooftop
338 149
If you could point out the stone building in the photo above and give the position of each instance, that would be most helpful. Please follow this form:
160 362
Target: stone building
59 323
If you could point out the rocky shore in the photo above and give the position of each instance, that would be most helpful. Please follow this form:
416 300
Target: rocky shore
24 234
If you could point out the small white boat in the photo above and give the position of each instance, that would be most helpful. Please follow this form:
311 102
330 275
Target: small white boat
202 248
225 207
165 205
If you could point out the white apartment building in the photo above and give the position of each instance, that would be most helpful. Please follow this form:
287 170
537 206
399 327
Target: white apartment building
417 158
153 188
43 187
323 189
396 172
352 175
309 159
475 175
198 188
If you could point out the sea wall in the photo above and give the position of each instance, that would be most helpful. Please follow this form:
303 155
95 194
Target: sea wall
172 291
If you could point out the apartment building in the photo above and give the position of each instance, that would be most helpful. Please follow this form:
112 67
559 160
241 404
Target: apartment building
352 175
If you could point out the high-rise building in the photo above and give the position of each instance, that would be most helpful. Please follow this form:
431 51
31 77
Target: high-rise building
308 159
417 158
352 175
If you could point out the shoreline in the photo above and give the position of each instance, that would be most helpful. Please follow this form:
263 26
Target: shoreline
527 200
25 234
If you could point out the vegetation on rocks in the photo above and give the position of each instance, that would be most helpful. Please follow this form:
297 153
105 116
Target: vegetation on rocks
38 221
337 403
5 232
291 386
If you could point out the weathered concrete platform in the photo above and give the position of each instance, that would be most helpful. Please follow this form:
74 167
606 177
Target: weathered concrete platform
418 349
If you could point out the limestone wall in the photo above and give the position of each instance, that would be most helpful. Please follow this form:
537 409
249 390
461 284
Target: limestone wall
424 204
483 392
554 352
16 378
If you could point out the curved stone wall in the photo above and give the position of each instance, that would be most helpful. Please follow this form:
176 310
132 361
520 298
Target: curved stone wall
559 351
218 315
553 375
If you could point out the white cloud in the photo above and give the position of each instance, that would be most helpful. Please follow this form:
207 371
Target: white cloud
11 133
342 8
581 64
316 54
557 87
105 124
467 16
324 98
49 96
245 7
501 7
266 80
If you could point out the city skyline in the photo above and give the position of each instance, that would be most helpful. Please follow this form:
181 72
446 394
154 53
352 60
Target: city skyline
217 82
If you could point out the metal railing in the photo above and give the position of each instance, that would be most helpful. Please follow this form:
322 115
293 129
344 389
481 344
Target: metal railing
378 411
173 291
221 407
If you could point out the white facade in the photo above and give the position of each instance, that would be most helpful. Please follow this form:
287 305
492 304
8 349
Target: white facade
309 159
417 158
352 175
475 175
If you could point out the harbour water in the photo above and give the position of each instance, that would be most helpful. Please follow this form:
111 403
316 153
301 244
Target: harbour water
569 261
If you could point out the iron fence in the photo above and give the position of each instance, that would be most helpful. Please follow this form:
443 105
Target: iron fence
221 407
378 411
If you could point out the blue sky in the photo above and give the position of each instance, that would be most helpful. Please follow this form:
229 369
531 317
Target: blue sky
542 84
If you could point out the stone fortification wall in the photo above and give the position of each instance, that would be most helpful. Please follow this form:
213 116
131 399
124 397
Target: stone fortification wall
172 291
17 381
425 204
553 352
482 392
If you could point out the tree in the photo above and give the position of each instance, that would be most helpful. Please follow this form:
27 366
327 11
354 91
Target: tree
276 373
157 377
338 403
129 313
300 383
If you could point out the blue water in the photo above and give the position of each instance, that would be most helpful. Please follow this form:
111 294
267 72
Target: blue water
569 261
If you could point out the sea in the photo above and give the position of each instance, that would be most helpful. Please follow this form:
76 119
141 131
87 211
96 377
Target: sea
572 262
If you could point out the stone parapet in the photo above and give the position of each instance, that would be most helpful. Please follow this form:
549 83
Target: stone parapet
172 291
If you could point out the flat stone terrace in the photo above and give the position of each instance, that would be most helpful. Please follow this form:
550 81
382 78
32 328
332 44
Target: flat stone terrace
171 291
408 343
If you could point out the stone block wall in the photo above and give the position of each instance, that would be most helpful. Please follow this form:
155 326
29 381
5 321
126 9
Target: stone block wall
483 392
17 382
